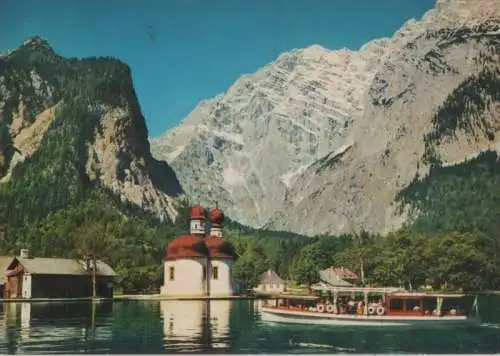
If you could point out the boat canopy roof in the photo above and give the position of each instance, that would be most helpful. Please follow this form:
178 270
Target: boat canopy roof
428 295
298 297
392 291
383 290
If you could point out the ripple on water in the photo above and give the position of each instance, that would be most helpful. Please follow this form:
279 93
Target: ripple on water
223 327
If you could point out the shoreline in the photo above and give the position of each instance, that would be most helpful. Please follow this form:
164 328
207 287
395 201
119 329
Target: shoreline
125 297
52 300
159 297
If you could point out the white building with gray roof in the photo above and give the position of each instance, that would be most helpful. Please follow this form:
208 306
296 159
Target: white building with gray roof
41 277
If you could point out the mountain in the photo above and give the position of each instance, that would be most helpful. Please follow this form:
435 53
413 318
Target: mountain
245 148
67 125
433 102
325 141
78 179
76 174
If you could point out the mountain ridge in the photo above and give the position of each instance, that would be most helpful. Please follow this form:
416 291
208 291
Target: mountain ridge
407 97
76 174
247 147
232 162
109 144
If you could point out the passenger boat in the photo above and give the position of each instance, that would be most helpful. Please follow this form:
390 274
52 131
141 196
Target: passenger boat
373 306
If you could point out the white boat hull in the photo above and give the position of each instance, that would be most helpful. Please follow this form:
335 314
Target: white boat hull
287 316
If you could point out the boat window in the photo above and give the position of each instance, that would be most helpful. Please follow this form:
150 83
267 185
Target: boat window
430 304
412 303
396 304
462 304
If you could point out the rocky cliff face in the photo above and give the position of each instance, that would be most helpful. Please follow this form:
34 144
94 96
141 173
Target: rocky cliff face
432 102
73 124
245 148
321 141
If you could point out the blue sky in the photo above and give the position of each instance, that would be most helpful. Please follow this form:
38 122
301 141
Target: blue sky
200 47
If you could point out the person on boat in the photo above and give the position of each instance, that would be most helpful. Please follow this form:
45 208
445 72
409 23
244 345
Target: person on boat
341 306
351 306
360 308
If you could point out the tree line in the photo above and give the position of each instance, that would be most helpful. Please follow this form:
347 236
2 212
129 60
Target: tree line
452 239
54 209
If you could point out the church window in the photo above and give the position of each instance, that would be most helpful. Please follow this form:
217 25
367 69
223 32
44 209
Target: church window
171 273
204 273
215 272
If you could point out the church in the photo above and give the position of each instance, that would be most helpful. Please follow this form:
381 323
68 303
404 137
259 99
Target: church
200 264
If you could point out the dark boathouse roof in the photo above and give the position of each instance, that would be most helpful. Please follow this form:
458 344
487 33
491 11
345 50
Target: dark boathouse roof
58 266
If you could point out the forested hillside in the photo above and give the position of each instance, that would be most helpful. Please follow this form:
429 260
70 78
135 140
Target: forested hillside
452 238
50 199
452 241
56 197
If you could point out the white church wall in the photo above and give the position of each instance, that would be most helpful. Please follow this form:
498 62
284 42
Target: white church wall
187 278
223 284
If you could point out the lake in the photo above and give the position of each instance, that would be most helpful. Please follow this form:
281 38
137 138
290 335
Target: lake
218 327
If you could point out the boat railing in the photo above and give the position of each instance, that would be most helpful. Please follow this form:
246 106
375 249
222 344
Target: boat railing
381 290
372 308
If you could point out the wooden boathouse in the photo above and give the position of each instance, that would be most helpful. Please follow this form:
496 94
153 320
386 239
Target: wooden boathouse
29 277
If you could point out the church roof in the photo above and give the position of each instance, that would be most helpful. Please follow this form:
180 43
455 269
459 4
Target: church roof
216 216
198 212
186 246
195 246
219 247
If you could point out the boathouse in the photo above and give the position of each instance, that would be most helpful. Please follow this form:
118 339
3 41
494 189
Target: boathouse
4 261
270 282
37 277
338 277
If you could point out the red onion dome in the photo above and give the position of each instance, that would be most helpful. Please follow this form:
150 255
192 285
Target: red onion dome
216 216
198 212
186 246
219 248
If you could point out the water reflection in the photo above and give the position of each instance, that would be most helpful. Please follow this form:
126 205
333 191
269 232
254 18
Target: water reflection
211 327
220 311
42 327
196 325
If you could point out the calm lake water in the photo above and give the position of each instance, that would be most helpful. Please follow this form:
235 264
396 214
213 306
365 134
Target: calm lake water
218 327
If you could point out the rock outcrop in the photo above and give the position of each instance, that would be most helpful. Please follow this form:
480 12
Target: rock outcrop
245 148
321 141
57 113
432 102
